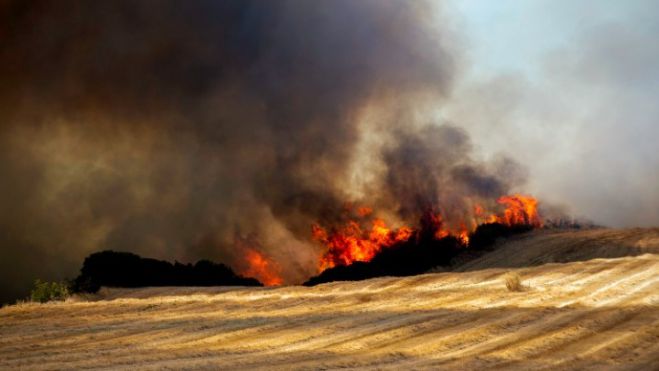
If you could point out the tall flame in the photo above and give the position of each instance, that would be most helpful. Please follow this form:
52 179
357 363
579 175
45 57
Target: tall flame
520 210
351 243
261 268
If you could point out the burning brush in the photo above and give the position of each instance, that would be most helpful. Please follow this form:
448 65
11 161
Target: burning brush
353 242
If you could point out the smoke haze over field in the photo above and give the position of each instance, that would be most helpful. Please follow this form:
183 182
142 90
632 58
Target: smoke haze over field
189 130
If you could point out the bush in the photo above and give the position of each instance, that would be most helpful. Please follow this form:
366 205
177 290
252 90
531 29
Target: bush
513 282
123 269
49 291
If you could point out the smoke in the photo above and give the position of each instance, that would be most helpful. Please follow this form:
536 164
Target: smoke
171 128
569 89
434 168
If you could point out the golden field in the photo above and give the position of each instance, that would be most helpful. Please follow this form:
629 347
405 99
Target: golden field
591 301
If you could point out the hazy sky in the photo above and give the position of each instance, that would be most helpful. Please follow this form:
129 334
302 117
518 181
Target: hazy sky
571 88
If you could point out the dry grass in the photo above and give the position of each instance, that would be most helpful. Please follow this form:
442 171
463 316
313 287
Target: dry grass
598 314
513 282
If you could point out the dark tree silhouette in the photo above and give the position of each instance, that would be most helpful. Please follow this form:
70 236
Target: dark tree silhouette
123 269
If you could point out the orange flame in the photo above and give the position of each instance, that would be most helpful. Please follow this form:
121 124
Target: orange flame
364 211
520 210
261 268
351 242
463 234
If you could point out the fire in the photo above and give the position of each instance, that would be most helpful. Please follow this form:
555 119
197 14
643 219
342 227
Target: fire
435 222
259 267
364 211
463 234
353 241
519 210
403 233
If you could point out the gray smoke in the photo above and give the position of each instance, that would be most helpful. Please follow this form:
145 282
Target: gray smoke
433 168
168 128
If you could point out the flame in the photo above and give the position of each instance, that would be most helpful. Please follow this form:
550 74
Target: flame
364 211
403 234
519 210
351 242
261 268
463 234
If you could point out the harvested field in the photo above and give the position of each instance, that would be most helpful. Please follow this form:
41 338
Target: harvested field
592 314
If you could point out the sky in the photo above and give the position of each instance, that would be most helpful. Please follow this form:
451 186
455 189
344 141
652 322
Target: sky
572 87
514 36
204 129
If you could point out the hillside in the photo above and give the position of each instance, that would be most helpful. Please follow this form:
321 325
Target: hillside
557 246
578 313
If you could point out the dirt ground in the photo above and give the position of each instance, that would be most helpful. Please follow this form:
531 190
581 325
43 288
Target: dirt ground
575 312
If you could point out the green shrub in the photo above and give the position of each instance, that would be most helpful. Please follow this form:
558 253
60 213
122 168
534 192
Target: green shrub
48 291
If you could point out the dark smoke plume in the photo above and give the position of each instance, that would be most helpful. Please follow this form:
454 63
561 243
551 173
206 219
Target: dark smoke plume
433 168
169 128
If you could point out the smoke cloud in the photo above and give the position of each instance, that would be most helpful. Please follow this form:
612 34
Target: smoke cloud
173 129
433 168
223 129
